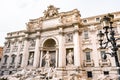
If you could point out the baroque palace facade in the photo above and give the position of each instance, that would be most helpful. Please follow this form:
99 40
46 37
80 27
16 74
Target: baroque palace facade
62 41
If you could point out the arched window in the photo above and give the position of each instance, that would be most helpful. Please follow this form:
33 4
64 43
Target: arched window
20 58
5 59
13 59
8 45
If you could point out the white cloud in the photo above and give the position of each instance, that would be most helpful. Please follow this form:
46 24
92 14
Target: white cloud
15 13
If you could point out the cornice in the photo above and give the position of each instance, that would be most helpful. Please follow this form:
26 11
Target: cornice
14 37
102 15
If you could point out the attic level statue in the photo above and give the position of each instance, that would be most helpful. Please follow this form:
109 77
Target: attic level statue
51 11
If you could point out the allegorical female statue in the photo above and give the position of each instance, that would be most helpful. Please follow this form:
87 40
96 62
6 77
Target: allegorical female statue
30 62
70 57
47 58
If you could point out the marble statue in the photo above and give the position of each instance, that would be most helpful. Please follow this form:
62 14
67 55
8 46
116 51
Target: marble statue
47 58
51 11
30 62
70 57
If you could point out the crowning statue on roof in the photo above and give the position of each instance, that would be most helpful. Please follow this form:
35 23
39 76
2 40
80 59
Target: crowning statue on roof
51 12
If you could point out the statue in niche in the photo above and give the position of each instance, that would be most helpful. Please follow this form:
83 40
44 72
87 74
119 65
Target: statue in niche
70 57
31 58
47 58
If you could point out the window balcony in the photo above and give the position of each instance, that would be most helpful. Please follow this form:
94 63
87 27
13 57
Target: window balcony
104 62
88 63
12 65
31 48
4 65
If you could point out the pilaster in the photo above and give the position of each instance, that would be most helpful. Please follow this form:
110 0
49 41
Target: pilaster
37 51
62 55
76 45
25 52
41 58
17 56
9 58
94 47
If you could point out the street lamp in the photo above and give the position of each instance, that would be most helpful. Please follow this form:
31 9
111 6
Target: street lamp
109 35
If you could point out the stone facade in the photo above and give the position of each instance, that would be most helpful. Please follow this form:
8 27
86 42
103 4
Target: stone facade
62 41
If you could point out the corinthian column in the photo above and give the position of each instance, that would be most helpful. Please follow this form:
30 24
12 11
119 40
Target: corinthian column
62 55
25 52
37 51
76 45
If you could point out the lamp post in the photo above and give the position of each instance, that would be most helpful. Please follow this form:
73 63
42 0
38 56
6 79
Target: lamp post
109 34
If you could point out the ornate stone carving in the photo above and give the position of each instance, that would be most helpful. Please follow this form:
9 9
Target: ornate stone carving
66 19
34 24
50 12
69 37
32 43
71 17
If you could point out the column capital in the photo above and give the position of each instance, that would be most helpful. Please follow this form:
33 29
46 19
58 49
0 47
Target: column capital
20 40
76 30
38 34
76 27
61 30
26 38
62 33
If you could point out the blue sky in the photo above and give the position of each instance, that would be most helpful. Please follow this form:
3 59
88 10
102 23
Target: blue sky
15 13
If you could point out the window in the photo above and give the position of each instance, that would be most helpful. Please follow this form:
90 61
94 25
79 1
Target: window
5 59
13 59
85 21
11 34
88 58
97 19
106 72
20 58
15 47
17 33
10 72
115 30
89 74
86 34
2 73
8 45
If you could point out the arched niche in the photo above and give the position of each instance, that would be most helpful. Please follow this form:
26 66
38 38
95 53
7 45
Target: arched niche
49 46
